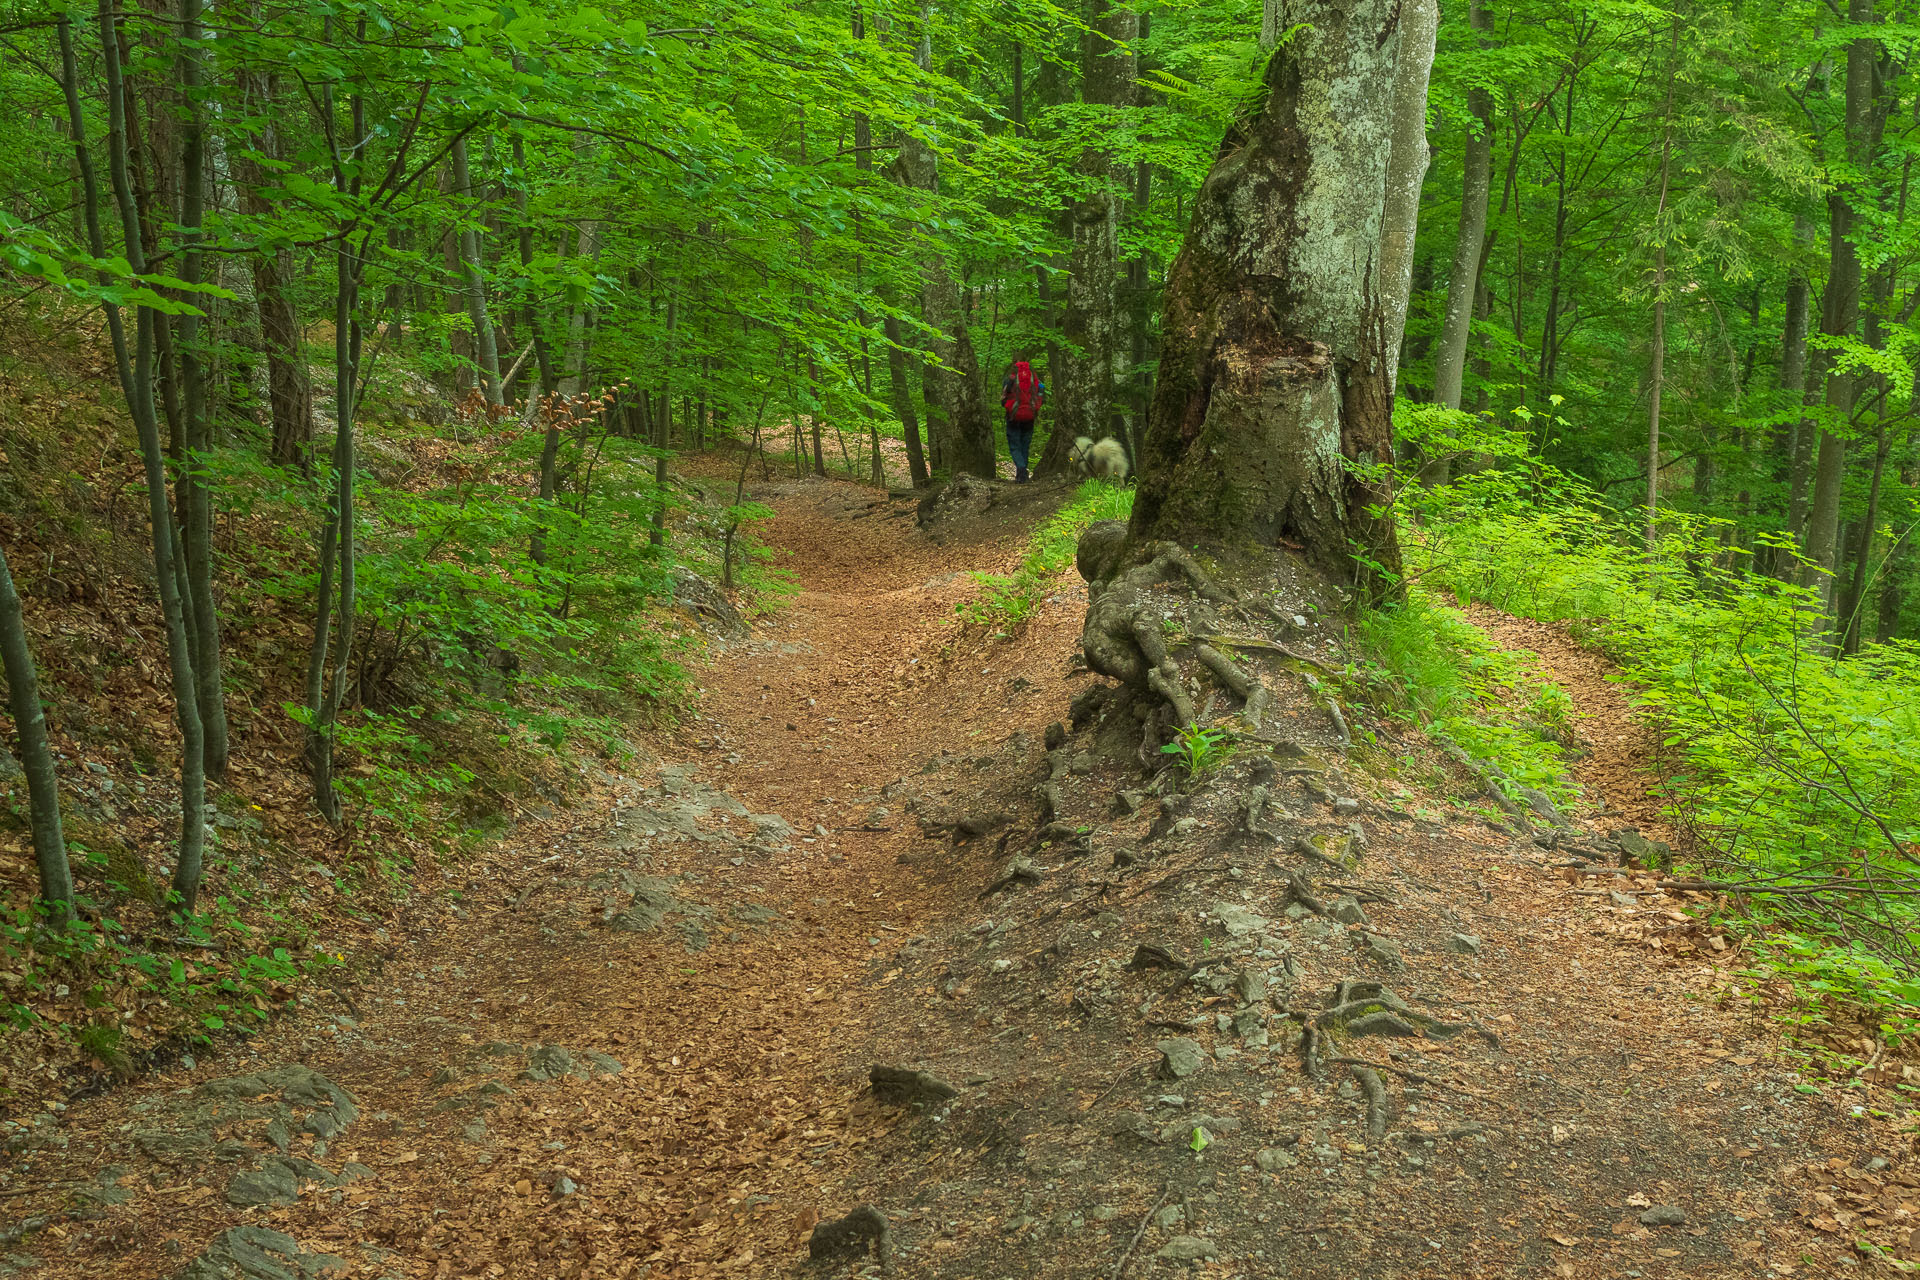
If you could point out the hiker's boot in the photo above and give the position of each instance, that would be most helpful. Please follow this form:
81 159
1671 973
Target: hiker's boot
1020 475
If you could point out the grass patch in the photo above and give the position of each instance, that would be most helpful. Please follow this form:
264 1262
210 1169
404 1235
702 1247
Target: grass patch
1425 664
1008 600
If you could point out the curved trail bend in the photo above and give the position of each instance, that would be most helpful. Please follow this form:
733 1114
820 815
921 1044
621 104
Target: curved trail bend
636 1044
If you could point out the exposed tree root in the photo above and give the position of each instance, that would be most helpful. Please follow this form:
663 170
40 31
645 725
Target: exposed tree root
1376 1095
1372 1009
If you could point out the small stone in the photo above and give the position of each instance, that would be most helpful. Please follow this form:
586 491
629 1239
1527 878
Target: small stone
1663 1215
1056 735
1273 1159
1464 944
1082 763
563 1186
1250 985
1188 1249
1103 1213
1167 1215
1346 806
1128 802
1620 899
1180 1057
1185 826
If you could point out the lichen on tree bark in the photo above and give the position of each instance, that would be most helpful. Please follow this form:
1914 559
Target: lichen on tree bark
1273 412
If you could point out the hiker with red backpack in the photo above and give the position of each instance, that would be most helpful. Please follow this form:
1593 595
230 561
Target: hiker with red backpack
1021 395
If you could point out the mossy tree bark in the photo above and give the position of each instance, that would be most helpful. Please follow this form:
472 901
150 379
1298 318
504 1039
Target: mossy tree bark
1285 307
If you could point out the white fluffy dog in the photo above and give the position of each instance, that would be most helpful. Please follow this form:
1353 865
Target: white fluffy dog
1108 459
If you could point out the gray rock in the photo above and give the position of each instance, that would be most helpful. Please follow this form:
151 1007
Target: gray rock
1620 899
1180 1057
1384 952
1128 802
1663 1215
1082 763
1465 944
1188 1249
1167 1215
563 1186
1346 806
1250 985
256 1253
1347 910
900 1086
1237 920
1250 1026
1273 1159
1056 735
549 1062
331 1108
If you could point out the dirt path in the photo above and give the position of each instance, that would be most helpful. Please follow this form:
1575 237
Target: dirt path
636 1042
769 878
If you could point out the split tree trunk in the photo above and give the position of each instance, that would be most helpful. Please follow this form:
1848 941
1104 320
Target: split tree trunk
1285 307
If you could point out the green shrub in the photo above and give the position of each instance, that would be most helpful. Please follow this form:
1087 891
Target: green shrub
1796 772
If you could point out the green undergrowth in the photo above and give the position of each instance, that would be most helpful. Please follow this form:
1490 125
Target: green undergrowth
485 679
1008 600
1424 664
1795 768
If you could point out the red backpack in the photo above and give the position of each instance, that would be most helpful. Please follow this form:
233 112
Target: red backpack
1024 403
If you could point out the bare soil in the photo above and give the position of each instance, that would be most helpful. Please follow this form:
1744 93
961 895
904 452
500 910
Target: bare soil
801 887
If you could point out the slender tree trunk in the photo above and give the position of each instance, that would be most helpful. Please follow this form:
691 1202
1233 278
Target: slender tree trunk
658 535
196 496
1656 374
485 348
1840 307
1791 462
1469 246
338 552
289 397
1091 319
136 381
36 757
1281 334
961 439
1854 603
900 383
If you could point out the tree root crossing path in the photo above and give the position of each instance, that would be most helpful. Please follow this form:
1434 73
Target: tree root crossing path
640 1036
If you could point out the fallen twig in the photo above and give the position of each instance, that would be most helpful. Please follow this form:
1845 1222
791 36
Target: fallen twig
1134 1243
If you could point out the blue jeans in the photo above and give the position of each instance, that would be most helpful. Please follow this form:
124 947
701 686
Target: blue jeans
1019 443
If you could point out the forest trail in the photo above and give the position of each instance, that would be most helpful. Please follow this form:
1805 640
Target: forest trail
708 927
637 1044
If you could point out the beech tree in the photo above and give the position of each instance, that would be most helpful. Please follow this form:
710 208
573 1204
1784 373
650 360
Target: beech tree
1285 307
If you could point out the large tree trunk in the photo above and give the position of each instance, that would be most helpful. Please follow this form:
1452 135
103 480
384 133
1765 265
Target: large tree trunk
1285 307
1083 402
